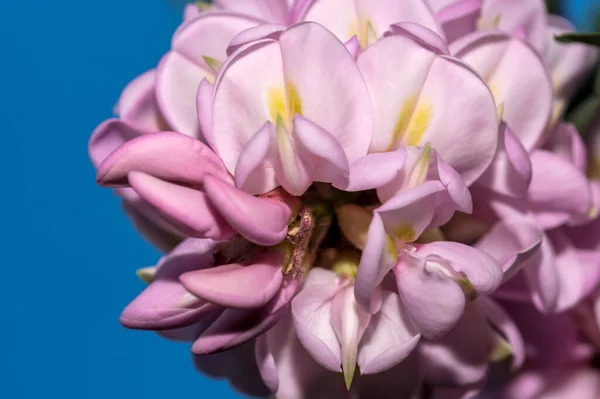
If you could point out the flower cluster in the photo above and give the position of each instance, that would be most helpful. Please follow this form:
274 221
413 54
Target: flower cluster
365 199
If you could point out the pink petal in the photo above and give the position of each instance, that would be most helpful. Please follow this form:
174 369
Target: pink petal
277 11
330 161
459 18
510 173
557 188
512 243
349 322
254 172
503 323
188 209
378 258
137 104
182 69
249 285
165 155
372 171
422 35
461 356
483 271
338 101
526 94
262 221
260 32
311 310
427 106
160 305
389 338
109 136
433 315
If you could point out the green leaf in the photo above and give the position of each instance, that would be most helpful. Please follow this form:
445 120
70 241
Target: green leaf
591 38
584 114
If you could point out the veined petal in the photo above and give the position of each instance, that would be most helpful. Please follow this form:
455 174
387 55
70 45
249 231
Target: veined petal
389 338
249 285
263 221
182 160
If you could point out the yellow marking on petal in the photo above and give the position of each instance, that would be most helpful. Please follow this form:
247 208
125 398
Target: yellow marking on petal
277 107
418 174
404 232
413 120
212 63
146 274
284 103
489 23
495 91
391 247
500 111
349 371
501 351
204 6
418 124
364 30
293 100
406 112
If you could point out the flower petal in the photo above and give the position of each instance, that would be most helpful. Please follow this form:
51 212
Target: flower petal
187 209
389 338
510 173
262 221
249 285
526 93
254 172
483 271
182 160
311 310
109 136
426 110
459 18
378 257
372 171
433 315
162 304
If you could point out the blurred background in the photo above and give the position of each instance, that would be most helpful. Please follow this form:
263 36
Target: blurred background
69 253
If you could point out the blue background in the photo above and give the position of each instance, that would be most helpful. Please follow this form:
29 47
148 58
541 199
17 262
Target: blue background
69 254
